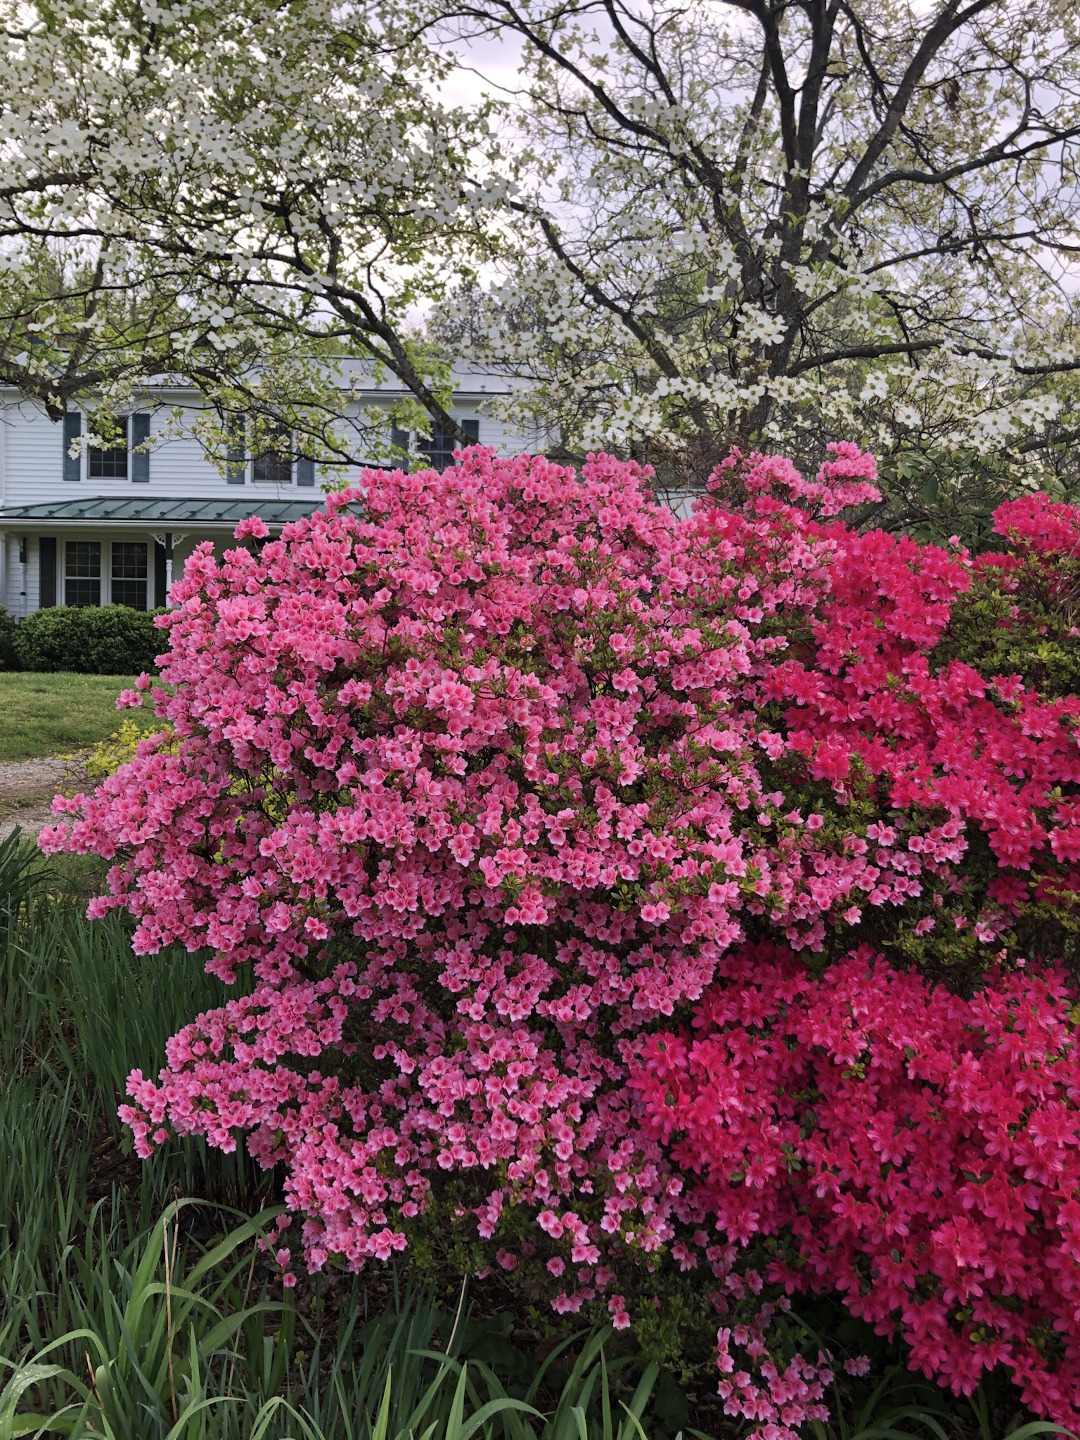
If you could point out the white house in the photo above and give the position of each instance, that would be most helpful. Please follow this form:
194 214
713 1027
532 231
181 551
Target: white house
115 525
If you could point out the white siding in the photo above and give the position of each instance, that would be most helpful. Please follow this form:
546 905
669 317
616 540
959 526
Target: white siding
32 473
31 461
30 575
34 465
11 599
33 456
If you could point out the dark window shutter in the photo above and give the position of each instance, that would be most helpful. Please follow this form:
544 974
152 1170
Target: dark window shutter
399 438
140 459
305 470
471 428
236 456
47 570
72 431
159 575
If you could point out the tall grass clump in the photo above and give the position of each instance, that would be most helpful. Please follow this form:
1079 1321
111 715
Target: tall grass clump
79 1011
162 1346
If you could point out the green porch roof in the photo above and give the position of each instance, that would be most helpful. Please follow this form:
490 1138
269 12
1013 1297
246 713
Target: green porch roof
149 511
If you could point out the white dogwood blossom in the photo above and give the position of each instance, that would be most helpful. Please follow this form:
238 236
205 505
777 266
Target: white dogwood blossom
758 218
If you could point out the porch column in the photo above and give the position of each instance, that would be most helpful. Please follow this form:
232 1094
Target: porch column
167 540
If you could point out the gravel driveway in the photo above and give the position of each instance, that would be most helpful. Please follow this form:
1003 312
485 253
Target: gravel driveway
27 788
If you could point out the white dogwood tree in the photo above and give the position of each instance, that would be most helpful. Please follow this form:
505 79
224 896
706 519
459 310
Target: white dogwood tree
688 222
791 219
237 192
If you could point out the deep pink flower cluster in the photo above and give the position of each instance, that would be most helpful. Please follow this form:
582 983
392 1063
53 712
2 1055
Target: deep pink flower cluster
1040 526
483 774
989 754
919 1152
1042 564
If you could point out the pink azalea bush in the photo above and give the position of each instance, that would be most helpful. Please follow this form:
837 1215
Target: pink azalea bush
482 775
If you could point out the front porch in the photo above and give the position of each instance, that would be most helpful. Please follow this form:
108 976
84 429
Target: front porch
102 550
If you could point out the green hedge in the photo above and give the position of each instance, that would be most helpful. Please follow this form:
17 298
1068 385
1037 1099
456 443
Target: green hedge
90 640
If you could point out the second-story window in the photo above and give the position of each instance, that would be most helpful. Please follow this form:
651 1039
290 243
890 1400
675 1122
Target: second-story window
280 461
274 465
440 448
111 463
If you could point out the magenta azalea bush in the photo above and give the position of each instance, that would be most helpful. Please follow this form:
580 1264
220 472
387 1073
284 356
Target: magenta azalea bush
491 778
918 1150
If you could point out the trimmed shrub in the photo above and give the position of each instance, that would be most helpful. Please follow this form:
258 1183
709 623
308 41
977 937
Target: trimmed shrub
50 639
90 640
120 641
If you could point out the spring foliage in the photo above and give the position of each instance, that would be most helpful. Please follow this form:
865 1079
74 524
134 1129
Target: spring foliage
491 777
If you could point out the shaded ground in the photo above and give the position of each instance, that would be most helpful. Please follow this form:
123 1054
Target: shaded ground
27 788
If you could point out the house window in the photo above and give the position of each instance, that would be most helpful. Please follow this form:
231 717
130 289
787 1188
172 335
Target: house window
111 464
440 448
274 465
129 573
82 572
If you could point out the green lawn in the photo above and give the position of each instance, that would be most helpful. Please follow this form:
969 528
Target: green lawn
55 714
